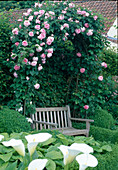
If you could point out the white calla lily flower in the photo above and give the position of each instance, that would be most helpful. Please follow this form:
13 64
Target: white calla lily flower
1 137
34 139
17 145
82 147
86 160
69 153
37 164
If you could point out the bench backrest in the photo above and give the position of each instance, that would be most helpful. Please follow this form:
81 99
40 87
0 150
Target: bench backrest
59 115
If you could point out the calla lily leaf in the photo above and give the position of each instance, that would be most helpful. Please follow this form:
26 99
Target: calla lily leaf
6 157
50 165
54 155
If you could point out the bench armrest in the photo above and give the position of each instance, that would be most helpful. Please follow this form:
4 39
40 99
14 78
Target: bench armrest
83 120
46 123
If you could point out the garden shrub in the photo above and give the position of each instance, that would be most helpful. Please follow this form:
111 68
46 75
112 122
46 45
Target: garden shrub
110 57
106 153
103 119
103 134
5 52
13 121
55 33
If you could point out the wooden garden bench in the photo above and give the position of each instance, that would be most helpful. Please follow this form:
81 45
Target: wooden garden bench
58 118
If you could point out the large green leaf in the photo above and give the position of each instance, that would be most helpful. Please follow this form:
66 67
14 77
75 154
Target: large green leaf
106 148
63 139
12 166
49 141
3 166
4 149
54 155
6 157
51 165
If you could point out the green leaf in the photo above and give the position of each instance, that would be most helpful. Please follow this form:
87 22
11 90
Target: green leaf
49 141
106 148
63 139
54 155
6 157
3 167
51 165
12 166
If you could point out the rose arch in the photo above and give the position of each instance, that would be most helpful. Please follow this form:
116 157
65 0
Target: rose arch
61 33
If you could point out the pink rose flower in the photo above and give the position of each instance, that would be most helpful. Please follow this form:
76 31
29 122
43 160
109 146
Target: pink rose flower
27 78
41 12
47 26
77 21
25 43
16 67
71 5
61 17
29 10
79 54
20 26
31 54
19 20
31 34
37 27
77 31
42 44
82 70
15 74
17 43
43 31
15 31
30 18
25 14
7 59
61 28
64 12
39 49
33 63
41 36
104 64
83 29
26 23
86 25
50 50
36 13
90 32
36 86
100 78
49 55
50 40
95 17
38 21
43 55
25 60
66 25
35 58
40 67
86 107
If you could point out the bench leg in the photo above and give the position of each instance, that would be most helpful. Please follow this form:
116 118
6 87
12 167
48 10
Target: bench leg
88 128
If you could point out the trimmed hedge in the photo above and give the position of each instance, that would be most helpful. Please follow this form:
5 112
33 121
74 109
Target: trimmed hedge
103 119
103 134
13 121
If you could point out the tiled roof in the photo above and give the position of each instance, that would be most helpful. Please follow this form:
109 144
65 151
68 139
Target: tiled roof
107 8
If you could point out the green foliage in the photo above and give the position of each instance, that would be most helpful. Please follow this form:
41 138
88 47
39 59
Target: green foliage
12 121
111 58
106 153
7 5
103 119
5 51
103 134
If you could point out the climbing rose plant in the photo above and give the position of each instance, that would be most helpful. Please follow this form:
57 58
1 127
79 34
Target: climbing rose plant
42 33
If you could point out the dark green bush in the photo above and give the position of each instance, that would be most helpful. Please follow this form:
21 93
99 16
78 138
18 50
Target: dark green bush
103 119
5 51
110 57
103 134
12 121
